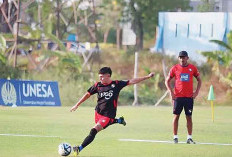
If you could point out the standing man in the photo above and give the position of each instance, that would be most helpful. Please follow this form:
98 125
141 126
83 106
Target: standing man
183 94
105 111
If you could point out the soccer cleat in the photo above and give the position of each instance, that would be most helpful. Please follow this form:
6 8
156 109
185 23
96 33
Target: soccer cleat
121 120
175 140
190 141
75 151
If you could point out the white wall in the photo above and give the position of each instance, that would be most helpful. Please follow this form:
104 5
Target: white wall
192 31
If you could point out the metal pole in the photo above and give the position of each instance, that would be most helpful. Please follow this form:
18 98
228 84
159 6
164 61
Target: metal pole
135 103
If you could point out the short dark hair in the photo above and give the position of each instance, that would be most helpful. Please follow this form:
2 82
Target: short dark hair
105 70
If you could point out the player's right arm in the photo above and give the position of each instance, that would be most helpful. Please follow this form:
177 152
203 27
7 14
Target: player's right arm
168 85
85 97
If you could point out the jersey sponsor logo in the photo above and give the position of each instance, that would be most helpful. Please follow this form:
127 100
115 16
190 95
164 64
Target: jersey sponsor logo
107 95
184 77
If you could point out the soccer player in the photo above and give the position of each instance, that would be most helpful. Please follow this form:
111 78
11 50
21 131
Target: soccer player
107 91
183 95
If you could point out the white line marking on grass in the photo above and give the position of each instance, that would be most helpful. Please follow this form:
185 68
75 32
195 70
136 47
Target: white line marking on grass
157 141
19 135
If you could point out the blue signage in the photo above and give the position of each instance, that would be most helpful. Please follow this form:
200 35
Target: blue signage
29 93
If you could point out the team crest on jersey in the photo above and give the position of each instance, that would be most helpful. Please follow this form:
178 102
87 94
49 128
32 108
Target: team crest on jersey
113 85
190 69
184 77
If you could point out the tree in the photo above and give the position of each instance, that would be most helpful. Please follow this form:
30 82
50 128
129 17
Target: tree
206 6
109 13
6 71
144 14
42 11
222 60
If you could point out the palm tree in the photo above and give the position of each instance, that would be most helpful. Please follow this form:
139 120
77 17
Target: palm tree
222 60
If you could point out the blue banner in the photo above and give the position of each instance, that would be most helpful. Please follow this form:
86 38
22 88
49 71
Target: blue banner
29 93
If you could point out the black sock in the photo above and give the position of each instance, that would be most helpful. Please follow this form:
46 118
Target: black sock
115 121
89 138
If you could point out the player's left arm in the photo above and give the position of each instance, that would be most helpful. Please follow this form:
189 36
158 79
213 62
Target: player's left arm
198 86
139 79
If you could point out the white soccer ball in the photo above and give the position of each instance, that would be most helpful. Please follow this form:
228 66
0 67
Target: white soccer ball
64 149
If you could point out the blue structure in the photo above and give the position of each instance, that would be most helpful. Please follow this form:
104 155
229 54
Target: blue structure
191 32
29 93
72 38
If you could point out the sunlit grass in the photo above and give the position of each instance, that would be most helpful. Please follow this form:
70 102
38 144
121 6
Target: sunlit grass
147 123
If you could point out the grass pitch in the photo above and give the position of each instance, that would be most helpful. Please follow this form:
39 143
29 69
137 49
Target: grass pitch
44 128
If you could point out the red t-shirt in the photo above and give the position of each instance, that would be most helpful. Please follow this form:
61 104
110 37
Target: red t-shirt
184 79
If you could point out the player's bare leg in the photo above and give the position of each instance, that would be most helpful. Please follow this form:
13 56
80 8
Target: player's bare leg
189 128
175 127
189 124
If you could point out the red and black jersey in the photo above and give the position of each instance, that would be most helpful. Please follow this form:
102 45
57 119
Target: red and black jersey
107 97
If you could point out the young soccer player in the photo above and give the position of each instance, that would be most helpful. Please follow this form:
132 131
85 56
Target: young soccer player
105 112
183 94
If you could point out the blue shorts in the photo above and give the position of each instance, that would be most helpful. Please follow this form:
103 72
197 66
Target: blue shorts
183 102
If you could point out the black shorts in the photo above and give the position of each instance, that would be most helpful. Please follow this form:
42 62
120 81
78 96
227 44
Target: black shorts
183 102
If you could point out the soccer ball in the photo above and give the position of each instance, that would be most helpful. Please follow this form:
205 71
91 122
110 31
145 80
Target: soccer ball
64 149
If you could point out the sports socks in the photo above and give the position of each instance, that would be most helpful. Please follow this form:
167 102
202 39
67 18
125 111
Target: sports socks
117 120
189 136
175 136
88 139
80 148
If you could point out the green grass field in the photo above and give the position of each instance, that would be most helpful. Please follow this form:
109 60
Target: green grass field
145 123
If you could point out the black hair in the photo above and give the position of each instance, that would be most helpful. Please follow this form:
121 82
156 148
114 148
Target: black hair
105 70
